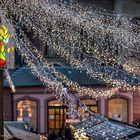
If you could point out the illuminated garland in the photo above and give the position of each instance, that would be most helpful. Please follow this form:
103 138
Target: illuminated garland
96 93
47 79
36 68
10 81
76 61
72 85
43 19
100 74
76 88
113 60
97 53
63 14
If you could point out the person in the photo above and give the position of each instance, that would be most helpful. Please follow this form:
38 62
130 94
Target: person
68 133
52 135
61 133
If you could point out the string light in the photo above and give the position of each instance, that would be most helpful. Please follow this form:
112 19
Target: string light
101 74
45 77
10 81
72 85
48 79
98 127
42 137
59 91
61 13
106 76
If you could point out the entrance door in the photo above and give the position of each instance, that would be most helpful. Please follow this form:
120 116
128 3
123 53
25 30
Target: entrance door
56 115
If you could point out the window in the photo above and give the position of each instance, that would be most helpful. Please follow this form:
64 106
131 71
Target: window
118 109
56 115
27 112
92 105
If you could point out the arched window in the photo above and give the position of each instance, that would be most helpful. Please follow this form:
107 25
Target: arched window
56 115
118 109
92 105
27 112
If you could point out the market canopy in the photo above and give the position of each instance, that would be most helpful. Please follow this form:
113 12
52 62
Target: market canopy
97 127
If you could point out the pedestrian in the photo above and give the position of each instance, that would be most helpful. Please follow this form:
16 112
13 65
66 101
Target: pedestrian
52 135
68 133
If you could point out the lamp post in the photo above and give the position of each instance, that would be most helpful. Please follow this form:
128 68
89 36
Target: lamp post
1 106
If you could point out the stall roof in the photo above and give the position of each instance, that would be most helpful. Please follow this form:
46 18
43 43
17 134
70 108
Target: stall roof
18 134
98 127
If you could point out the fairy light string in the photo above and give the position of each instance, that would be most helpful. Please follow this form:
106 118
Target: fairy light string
11 84
37 15
35 65
121 60
75 86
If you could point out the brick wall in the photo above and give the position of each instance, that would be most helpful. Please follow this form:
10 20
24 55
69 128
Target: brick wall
7 106
136 107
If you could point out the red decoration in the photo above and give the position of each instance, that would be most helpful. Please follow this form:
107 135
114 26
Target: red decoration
2 62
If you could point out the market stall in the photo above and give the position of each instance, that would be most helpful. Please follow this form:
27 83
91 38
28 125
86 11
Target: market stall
96 127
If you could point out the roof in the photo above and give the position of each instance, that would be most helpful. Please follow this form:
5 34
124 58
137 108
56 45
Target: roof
23 77
14 133
16 124
98 127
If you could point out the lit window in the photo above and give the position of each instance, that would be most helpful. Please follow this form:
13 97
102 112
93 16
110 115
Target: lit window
56 115
91 104
27 112
117 109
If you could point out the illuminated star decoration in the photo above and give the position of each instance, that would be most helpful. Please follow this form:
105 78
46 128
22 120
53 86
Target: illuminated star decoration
4 39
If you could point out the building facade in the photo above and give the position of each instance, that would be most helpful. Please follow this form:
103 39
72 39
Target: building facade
39 109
